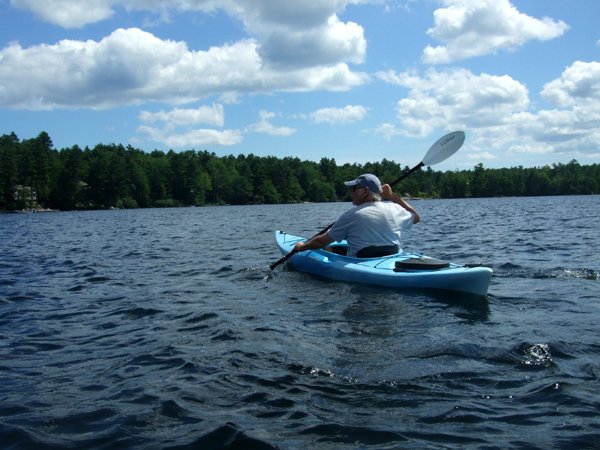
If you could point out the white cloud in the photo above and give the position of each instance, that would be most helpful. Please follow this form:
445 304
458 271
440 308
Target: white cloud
347 114
264 126
482 156
455 99
494 110
292 46
297 33
176 128
192 138
470 28
131 66
291 33
211 115
388 131
579 83
68 13
570 128
79 13
330 43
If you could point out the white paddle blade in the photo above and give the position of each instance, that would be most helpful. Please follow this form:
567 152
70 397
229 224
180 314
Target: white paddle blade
444 148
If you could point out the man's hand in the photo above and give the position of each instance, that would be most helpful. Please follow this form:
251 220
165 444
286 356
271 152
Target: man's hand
386 192
299 247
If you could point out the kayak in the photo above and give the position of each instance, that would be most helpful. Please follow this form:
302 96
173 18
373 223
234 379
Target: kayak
402 270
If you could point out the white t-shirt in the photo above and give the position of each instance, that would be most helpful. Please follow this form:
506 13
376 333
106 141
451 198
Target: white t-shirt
371 224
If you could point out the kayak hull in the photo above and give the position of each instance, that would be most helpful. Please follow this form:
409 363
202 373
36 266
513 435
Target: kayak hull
383 271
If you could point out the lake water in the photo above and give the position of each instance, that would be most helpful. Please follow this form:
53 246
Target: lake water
164 328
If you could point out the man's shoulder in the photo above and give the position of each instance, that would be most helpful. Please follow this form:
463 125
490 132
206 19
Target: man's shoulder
386 205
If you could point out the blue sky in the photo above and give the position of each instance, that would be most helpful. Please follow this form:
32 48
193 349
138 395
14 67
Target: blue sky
354 80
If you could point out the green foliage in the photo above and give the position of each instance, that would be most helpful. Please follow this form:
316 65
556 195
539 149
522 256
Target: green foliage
9 145
33 174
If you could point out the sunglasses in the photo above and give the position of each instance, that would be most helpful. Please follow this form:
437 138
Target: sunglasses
354 188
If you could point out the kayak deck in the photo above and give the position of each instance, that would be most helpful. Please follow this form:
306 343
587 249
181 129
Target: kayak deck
401 270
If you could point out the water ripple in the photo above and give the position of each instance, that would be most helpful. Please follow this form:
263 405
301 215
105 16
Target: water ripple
141 329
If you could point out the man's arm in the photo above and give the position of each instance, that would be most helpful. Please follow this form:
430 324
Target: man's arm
388 194
320 241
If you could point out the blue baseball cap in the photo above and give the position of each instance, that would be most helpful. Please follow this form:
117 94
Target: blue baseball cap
367 180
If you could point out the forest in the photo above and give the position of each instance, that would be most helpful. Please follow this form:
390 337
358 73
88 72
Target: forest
34 175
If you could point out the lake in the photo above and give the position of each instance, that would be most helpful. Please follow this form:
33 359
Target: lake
165 328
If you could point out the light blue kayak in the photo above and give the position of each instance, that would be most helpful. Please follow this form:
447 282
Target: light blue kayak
402 270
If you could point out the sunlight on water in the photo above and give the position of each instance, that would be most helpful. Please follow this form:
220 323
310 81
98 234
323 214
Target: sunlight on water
537 355
586 274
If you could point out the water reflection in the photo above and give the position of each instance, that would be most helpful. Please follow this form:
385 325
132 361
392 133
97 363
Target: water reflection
386 335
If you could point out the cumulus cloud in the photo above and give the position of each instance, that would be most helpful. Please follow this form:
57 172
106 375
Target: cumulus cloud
78 14
194 138
178 128
347 114
388 131
482 156
579 83
265 126
131 66
470 28
455 99
212 115
68 13
291 33
573 125
291 46
332 42
496 111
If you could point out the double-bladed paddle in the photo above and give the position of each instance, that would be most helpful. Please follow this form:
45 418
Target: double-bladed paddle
442 149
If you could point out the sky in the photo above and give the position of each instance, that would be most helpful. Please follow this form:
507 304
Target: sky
353 80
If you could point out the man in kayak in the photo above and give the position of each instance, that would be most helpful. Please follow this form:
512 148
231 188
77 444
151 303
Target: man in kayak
372 227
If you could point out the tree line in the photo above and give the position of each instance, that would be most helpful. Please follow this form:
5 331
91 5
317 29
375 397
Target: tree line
33 174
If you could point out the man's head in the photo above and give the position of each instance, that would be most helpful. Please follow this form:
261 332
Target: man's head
365 188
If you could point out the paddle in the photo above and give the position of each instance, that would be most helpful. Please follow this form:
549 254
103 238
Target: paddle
442 149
